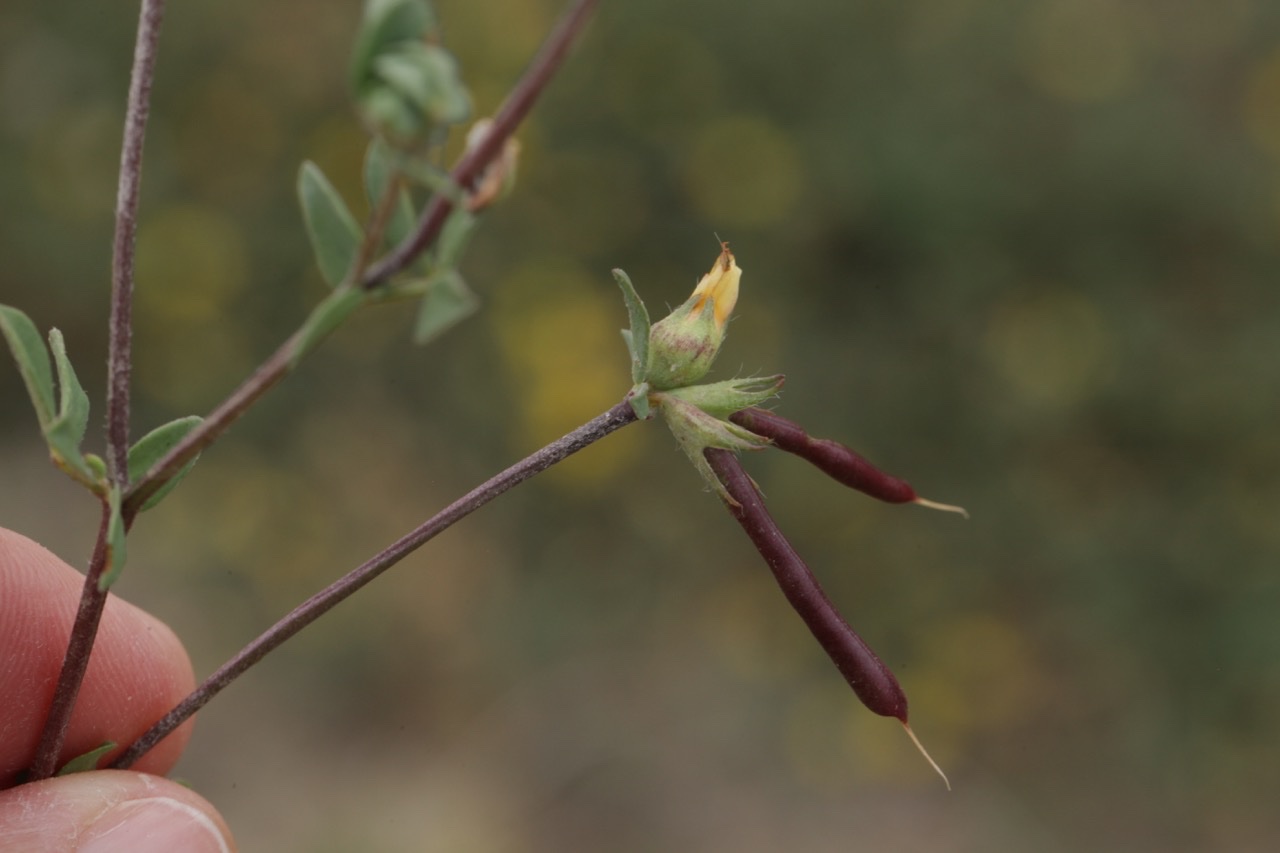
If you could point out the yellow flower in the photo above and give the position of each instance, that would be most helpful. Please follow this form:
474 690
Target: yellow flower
684 344
720 285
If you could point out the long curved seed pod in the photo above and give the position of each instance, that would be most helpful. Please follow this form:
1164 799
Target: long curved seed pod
834 459
872 681
866 673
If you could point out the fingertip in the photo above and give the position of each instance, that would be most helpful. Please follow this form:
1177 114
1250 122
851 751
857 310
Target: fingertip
107 811
138 670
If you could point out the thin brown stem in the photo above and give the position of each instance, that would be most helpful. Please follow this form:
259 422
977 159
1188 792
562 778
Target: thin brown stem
119 368
74 663
320 603
275 368
474 162
119 357
377 226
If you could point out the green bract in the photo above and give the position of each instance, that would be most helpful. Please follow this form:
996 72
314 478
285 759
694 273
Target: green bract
696 429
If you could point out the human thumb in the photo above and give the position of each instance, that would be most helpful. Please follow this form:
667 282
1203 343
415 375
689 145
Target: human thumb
110 811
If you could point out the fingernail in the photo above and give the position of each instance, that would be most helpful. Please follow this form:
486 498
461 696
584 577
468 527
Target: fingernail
156 825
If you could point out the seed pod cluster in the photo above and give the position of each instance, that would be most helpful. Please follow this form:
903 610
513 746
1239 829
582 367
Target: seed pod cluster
872 681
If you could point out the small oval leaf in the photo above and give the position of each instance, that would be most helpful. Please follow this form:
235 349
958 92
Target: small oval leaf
73 407
32 358
448 302
86 761
384 24
335 235
66 431
152 447
454 236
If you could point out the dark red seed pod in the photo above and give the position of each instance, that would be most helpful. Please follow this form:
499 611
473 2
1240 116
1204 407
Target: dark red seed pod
870 679
841 463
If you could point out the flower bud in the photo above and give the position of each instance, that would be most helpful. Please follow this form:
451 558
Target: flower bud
684 344
499 177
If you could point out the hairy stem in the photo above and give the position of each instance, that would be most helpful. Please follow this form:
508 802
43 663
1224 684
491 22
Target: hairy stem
74 663
119 368
320 603
472 165
278 365
119 359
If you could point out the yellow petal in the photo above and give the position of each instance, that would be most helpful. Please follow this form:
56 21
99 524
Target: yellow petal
720 284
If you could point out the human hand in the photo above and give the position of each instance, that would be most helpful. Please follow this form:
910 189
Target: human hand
137 672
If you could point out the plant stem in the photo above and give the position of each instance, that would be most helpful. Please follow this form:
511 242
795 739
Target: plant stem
119 359
320 603
377 226
119 368
278 365
74 662
468 170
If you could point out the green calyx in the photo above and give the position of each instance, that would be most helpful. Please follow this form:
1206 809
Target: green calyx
696 417
668 357
683 345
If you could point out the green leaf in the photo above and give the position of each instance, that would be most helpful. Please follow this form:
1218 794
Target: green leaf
388 115
73 407
115 541
384 24
447 303
380 171
637 337
152 447
454 236
86 761
335 235
424 76
66 431
327 316
33 360
405 83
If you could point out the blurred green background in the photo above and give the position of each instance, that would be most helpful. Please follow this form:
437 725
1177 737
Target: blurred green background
1023 254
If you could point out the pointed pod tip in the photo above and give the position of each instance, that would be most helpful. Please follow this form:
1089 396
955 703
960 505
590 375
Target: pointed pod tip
941 507
925 753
